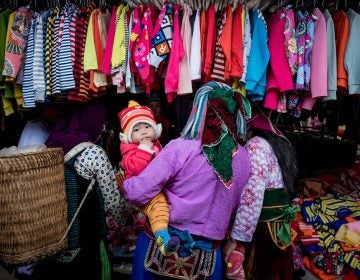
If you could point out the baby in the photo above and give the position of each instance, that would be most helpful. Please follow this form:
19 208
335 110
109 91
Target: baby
139 145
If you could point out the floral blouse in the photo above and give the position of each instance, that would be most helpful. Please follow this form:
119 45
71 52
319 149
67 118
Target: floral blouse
265 174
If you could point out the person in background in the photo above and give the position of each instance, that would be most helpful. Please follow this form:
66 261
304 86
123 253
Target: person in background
155 103
78 135
262 223
37 130
139 146
85 161
202 175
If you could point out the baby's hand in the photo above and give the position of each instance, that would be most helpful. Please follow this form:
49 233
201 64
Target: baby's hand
147 141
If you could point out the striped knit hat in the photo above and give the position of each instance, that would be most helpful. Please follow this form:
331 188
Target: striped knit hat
195 125
134 114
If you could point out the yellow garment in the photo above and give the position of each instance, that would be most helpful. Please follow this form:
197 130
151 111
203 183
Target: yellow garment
240 87
347 235
119 48
10 23
7 105
157 211
18 94
90 58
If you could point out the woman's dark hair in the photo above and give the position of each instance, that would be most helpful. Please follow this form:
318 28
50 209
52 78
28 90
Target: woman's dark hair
285 155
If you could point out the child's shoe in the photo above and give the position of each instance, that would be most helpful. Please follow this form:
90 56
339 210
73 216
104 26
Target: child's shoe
167 244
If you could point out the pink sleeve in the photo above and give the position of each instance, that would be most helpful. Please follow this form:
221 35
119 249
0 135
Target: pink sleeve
177 53
278 60
319 57
105 67
135 33
272 92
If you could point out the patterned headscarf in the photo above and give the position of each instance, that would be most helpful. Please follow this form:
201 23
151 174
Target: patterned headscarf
219 117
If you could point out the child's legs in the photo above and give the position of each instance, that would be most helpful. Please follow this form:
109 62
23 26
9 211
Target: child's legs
157 211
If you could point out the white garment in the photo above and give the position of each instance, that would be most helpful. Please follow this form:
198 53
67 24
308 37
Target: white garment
195 55
34 132
331 57
185 85
246 45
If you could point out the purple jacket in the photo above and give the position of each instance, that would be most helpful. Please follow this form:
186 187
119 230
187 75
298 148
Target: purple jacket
198 200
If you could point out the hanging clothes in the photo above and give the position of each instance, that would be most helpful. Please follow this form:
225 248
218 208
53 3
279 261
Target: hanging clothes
195 53
16 47
352 54
331 57
279 77
4 21
66 76
218 71
237 44
210 42
247 43
162 40
341 25
318 61
176 55
38 64
226 41
185 85
255 82
28 85
290 39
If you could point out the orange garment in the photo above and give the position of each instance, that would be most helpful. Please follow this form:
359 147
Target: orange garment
225 41
210 42
203 37
237 44
318 272
83 94
100 23
341 26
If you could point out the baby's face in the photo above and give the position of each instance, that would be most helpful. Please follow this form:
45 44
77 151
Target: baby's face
143 131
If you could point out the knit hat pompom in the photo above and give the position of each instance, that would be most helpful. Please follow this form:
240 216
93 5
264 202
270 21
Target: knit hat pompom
134 114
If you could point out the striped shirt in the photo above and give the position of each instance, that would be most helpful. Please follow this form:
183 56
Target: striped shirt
28 85
66 76
38 64
218 73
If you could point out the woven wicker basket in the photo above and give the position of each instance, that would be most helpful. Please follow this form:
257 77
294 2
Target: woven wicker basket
33 216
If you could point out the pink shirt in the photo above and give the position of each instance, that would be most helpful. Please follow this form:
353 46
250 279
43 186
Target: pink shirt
319 57
318 78
279 77
177 53
105 67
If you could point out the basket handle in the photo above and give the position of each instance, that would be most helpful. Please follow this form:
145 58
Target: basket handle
89 189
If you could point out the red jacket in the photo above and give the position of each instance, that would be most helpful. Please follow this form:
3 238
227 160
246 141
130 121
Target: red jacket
136 157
